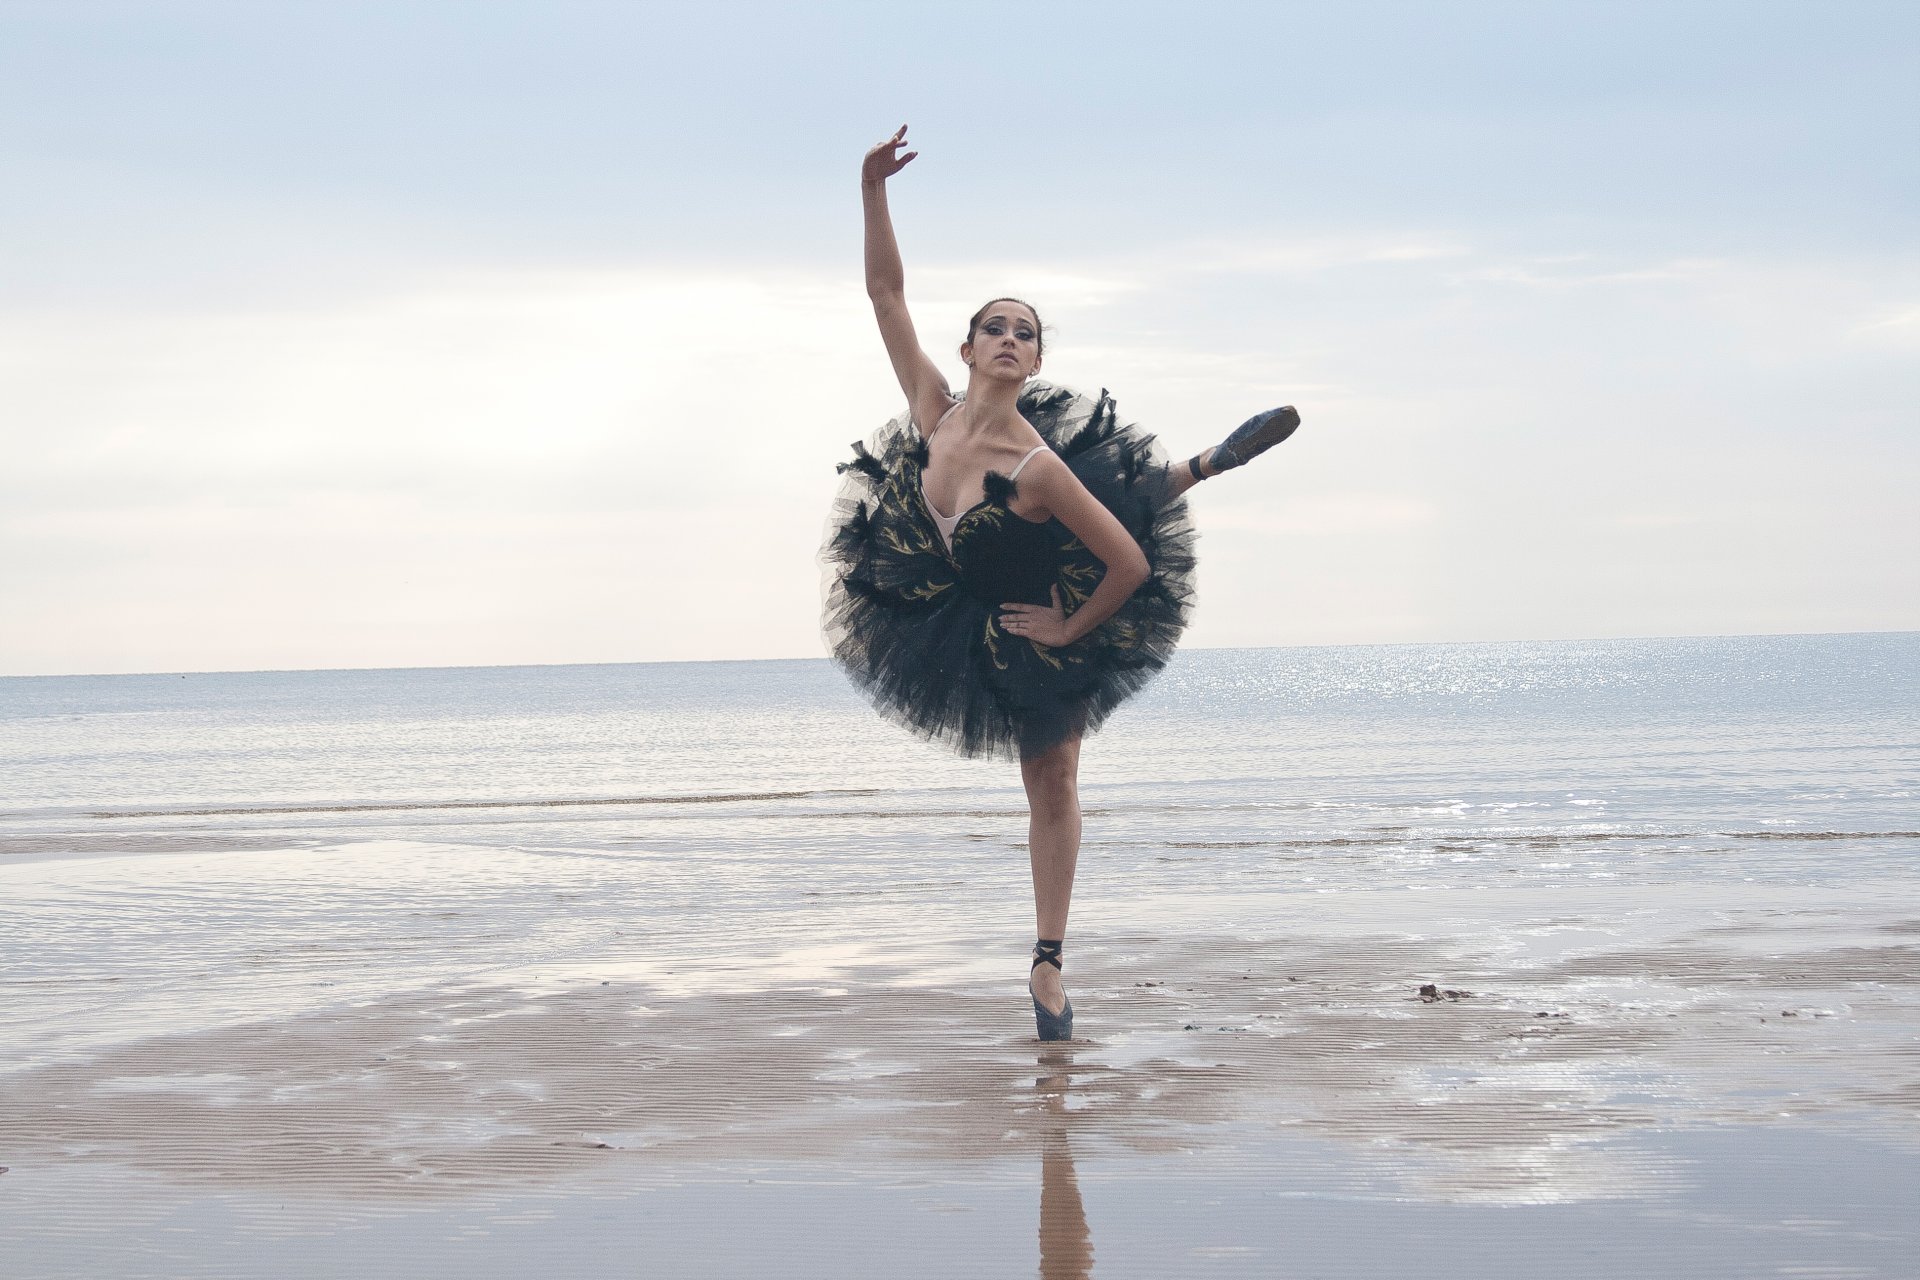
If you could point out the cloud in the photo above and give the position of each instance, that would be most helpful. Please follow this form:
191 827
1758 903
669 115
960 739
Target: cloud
1313 253
950 286
1327 515
547 465
497 375
1899 325
545 448
1541 272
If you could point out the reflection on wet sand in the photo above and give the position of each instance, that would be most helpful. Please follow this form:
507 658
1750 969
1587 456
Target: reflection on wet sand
1066 1246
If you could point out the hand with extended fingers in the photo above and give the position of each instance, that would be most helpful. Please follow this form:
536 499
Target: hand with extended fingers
885 160
1042 624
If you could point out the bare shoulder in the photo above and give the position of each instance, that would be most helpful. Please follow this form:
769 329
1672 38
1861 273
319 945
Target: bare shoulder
1048 472
1055 492
1047 487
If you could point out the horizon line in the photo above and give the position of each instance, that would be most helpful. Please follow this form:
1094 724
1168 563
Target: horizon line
708 662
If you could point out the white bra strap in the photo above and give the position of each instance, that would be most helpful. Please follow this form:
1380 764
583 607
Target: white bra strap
1015 473
951 410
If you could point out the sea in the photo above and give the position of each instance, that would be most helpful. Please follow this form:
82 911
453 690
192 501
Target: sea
740 816
1454 960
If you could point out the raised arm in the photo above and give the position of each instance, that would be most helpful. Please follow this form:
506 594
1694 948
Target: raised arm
927 393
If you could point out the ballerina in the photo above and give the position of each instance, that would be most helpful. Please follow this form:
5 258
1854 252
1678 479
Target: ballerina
1007 565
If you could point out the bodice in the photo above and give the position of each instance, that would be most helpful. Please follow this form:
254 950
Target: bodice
1004 559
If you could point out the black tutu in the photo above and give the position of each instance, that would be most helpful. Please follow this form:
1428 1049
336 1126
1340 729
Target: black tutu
917 627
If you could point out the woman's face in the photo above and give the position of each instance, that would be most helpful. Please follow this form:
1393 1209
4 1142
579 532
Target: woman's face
1006 343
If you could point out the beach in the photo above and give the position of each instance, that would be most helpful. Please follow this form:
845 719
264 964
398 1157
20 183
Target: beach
1580 959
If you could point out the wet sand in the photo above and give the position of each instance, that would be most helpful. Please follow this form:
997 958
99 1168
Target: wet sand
1629 1089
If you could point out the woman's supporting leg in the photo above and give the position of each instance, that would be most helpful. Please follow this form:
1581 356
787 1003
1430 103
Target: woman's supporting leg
1053 846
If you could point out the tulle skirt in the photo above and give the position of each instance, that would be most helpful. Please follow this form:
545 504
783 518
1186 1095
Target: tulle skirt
915 626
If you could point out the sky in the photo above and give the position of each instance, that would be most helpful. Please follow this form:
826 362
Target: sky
420 334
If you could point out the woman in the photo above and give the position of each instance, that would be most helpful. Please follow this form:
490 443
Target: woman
1009 565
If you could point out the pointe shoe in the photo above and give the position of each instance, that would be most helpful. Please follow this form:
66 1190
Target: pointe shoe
1254 437
1048 1024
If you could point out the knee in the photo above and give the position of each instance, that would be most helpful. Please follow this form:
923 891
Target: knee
1053 788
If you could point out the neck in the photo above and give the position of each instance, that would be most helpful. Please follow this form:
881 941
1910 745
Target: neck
992 401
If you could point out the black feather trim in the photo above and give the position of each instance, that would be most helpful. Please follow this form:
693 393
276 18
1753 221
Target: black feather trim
865 463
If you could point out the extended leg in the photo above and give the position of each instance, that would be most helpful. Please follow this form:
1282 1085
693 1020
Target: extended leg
1180 476
1249 440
